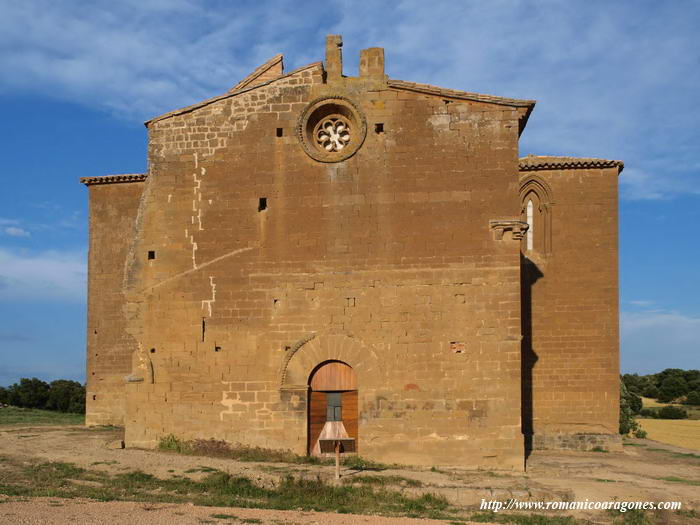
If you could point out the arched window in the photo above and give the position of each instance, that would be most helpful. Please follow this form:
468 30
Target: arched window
536 211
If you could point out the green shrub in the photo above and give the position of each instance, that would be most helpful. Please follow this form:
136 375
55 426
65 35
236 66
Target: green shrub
693 398
628 400
649 412
672 412
651 391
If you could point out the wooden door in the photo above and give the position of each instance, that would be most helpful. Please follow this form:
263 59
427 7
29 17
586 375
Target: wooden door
335 378
350 415
317 417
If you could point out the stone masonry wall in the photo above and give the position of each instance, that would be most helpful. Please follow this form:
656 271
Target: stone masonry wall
113 210
571 350
385 261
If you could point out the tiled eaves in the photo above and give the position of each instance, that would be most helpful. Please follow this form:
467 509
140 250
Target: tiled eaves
114 179
534 163
208 101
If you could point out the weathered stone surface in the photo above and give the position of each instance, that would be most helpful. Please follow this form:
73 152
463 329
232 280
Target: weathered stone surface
246 259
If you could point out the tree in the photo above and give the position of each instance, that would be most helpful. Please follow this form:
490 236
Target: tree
693 398
29 393
671 387
66 396
4 396
651 391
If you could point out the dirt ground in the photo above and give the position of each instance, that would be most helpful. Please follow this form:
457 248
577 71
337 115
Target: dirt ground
636 474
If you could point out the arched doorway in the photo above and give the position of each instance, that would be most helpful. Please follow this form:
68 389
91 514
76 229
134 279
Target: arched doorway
332 404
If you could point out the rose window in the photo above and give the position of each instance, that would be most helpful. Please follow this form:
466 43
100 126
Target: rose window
331 129
333 133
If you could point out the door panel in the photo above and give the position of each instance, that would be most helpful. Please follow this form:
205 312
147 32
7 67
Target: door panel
317 416
350 414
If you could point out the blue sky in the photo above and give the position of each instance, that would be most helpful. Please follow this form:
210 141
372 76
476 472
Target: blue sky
613 79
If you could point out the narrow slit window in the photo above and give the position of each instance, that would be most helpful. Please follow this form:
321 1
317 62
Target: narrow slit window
262 204
151 255
280 132
531 225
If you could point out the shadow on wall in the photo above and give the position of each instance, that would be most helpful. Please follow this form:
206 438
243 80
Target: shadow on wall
529 274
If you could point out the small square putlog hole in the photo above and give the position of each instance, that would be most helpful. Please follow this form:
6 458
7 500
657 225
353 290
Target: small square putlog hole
379 128
262 204
280 132
151 255
458 347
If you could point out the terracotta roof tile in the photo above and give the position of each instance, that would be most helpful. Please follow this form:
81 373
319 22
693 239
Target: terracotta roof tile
533 162
114 179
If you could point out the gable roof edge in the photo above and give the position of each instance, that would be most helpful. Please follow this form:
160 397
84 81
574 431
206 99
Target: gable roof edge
455 93
257 72
188 109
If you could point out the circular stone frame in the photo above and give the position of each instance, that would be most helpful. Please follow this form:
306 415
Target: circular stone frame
331 107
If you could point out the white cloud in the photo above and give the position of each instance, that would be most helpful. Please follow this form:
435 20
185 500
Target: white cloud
654 340
47 276
15 231
641 303
615 80
137 58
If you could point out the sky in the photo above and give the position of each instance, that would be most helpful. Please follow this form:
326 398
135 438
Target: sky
612 79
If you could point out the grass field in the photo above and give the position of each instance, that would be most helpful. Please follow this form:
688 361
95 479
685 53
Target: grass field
31 416
678 432
693 411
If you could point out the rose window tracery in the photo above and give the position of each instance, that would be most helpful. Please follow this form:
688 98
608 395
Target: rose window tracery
331 129
333 133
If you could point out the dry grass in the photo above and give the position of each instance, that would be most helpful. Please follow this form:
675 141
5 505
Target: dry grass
678 432
693 411
648 402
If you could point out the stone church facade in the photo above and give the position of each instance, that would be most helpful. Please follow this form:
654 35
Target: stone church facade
312 253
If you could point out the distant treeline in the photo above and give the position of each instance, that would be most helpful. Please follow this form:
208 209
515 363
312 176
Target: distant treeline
61 395
673 385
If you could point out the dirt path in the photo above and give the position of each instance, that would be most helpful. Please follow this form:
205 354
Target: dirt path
633 475
58 511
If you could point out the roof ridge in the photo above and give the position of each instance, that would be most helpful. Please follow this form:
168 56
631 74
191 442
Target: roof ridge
552 162
114 179
228 94
455 93
258 71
